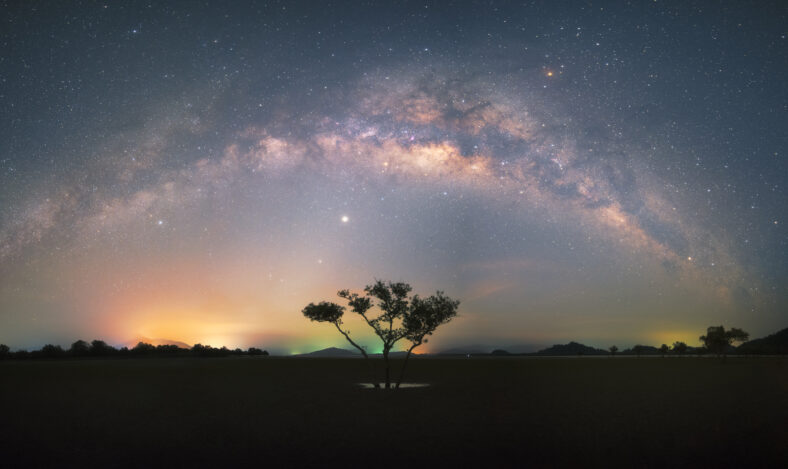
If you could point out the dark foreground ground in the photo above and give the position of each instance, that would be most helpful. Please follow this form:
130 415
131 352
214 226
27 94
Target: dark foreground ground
269 412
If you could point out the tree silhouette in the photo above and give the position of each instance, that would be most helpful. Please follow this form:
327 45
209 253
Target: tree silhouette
638 349
680 348
143 348
423 317
100 348
613 349
400 317
664 349
332 312
256 351
208 351
79 348
167 349
717 339
52 351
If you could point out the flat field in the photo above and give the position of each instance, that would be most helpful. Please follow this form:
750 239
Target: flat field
493 412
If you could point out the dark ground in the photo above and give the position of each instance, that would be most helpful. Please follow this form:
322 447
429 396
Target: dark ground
279 412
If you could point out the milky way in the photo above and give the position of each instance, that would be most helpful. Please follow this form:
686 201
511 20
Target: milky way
568 174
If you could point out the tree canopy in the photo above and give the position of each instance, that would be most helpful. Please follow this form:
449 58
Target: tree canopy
717 339
680 348
399 316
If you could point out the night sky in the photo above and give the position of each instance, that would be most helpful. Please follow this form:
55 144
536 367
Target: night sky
599 172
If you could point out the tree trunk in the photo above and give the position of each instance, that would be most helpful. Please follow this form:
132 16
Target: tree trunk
375 383
372 376
405 364
387 366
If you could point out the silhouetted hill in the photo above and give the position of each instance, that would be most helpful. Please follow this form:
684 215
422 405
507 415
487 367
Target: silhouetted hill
773 344
466 349
644 350
132 343
331 352
520 349
334 352
482 349
572 348
394 354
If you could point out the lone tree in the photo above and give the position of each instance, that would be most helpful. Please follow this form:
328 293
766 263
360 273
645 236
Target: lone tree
400 317
613 349
717 339
664 349
680 348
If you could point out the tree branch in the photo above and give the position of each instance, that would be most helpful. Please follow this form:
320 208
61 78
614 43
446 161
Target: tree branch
363 352
405 363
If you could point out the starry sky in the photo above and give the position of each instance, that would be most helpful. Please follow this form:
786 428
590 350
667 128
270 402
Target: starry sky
604 172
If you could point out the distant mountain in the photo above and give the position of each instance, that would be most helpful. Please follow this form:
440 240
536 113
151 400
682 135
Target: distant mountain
774 344
334 352
132 343
644 350
331 352
394 354
519 349
572 348
466 349
484 349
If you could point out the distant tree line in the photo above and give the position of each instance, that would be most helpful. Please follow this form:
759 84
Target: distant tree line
717 341
99 348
